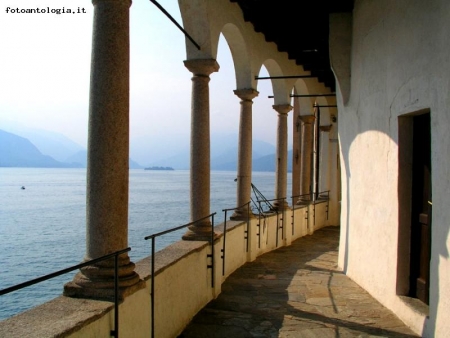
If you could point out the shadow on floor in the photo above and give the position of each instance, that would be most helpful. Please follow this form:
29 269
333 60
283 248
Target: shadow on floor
295 291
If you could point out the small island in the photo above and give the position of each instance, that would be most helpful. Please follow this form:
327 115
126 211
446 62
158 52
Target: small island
159 168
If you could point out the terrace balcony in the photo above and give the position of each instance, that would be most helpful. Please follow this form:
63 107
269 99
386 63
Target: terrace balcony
273 275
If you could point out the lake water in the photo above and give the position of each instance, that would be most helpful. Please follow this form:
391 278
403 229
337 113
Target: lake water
42 227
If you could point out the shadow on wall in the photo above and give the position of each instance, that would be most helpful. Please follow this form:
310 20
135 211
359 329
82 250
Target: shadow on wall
366 151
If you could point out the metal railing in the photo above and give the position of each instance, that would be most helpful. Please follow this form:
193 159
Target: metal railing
313 199
259 234
153 242
295 199
225 231
113 333
260 198
277 211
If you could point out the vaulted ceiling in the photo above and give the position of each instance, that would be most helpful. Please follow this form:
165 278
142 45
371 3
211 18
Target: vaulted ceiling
298 27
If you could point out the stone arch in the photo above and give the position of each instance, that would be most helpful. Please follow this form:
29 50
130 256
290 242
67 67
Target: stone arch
312 86
239 52
194 14
325 113
280 89
305 104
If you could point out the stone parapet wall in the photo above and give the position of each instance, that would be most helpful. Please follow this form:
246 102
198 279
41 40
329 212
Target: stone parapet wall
182 284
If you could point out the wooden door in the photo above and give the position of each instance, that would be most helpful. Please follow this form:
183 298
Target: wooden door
421 209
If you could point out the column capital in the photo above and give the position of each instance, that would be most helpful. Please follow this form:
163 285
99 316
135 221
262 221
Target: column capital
246 94
307 119
282 108
325 128
202 67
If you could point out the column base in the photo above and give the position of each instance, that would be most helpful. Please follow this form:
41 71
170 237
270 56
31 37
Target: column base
199 233
102 289
193 236
241 215
279 206
303 202
97 281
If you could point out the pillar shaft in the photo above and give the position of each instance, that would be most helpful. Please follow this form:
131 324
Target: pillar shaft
244 168
282 152
296 149
108 153
324 175
200 148
335 176
307 155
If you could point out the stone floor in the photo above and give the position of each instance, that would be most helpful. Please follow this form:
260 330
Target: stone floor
295 291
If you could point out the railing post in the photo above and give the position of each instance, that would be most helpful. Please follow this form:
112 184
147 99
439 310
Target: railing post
224 239
115 332
212 250
152 288
153 238
259 224
278 229
293 215
115 255
248 225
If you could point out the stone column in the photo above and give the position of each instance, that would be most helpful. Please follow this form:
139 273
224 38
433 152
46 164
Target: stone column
200 148
244 169
324 177
108 154
307 156
335 176
281 164
296 150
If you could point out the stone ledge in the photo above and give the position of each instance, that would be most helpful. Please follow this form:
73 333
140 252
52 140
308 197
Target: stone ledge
64 316
320 201
300 206
175 252
57 318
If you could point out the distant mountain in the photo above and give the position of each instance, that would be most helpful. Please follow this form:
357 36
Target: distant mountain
264 163
16 151
224 154
81 157
267 163
47 142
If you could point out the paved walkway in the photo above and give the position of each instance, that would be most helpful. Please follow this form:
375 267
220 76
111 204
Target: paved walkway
295 291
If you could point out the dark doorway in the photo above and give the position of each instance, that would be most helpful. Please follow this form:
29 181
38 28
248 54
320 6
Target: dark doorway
421 205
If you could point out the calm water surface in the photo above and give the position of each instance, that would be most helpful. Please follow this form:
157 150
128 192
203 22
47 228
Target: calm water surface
42 227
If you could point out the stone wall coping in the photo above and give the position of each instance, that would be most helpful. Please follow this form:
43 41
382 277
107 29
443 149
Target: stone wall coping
64 316
176 251
59 317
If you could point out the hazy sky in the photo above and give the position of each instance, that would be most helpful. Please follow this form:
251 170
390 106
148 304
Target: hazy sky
45 67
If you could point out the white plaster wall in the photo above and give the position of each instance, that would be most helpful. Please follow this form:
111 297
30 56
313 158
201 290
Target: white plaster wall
400 63
235 249
321 215
300 222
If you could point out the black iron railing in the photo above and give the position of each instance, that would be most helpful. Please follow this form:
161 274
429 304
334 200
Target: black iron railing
260 200
274 209
153 242
115 255
313 199
325 195
300 200
247 205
